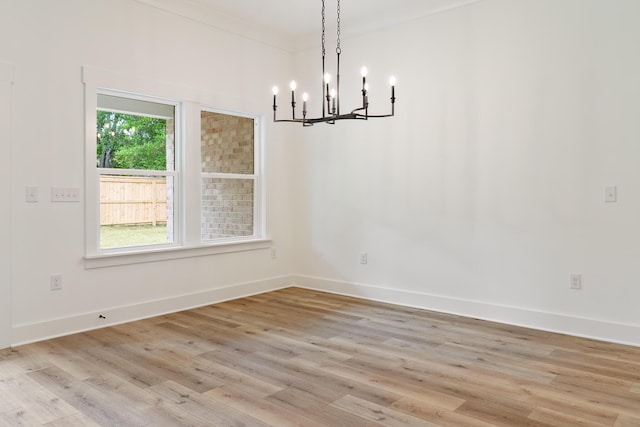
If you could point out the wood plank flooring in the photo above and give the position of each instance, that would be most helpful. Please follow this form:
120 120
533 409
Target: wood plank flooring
297 357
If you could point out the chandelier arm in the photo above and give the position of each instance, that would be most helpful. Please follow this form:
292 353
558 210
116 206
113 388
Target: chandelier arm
376 116
332 119
288 121
372 116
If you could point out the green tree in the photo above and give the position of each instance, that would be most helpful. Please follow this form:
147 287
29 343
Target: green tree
126 141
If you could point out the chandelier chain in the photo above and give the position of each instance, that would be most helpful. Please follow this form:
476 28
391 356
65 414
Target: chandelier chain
338 50
323 35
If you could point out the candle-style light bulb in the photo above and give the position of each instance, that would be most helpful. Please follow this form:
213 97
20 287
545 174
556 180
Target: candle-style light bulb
293 85
332 93
392 82
325 90
364 73
305 98
275 94
365 92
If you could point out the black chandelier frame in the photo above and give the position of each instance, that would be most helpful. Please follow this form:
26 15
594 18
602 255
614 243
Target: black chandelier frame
331 102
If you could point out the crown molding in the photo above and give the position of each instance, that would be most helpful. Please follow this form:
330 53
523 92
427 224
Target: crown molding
284 39
212 17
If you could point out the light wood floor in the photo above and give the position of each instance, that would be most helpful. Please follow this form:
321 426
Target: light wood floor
303 358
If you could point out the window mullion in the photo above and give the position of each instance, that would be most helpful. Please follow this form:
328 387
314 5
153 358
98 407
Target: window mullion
135 172
191 178
228 175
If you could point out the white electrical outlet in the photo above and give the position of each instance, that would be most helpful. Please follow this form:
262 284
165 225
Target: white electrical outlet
55 282
274 253
363 257
575 281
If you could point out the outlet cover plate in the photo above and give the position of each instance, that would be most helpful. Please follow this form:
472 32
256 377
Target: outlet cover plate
611 194
575 281
56 282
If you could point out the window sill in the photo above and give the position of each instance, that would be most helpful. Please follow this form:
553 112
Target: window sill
169 253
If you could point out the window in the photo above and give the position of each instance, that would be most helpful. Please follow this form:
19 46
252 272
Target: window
166 176
136 168
228 175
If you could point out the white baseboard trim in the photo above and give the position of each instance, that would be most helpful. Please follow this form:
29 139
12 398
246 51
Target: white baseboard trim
32 332
545 321
552 322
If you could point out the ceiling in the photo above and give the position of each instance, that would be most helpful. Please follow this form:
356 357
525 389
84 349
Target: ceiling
295 24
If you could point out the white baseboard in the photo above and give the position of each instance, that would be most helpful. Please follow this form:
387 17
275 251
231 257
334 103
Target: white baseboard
32 332
552 322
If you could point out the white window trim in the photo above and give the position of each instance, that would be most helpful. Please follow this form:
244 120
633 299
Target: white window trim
166 254
188 206
175 173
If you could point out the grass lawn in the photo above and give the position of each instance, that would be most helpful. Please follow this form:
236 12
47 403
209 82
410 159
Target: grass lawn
112 236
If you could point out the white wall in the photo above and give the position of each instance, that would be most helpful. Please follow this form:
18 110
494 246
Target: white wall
486 190
6 79
49 42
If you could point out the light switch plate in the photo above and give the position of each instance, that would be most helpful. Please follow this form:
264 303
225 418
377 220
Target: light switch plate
31 194
65 194
611 194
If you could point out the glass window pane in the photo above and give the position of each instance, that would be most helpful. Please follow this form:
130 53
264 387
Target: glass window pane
135 210
227 208
135 134
226 143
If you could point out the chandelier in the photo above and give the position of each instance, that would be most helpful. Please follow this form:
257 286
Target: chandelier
331 95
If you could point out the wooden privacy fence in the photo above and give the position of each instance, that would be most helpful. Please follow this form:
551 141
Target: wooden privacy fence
130 200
